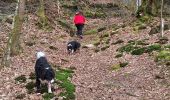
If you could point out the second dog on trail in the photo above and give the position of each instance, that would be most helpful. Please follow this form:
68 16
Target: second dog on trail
73 46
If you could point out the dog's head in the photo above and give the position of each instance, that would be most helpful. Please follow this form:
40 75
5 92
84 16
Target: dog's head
40 54
70 48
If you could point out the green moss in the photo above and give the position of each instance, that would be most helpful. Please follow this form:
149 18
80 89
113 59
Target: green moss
163 40
68 27
1 52
89 14
43 21
139 47
154 30
96 50
168 63
21 79
68 86
154 47
107 41
96 43
90 32
53 48
145 18
66 70
117 42
120 65
115 27
119 55
126 48
20 96
99 14
32 76
70 6
116 67
48 96
104 35
164 55
105 47
64 60
104 5
167 46
138 51
139 42
84 46
62 76
123 64
30 43
140 27
44 88
95 14
30 87
101 29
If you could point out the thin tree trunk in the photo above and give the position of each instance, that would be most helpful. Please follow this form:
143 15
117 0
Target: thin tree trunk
13 44
138 4
43 22
162 20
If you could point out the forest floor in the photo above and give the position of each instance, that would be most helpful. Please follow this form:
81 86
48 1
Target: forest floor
94 76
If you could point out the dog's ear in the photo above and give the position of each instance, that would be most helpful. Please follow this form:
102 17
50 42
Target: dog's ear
69 45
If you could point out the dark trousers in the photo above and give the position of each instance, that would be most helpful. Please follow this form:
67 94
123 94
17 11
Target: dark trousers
79 29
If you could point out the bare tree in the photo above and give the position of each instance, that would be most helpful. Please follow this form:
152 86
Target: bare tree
13 45
138 4
162 20
43 21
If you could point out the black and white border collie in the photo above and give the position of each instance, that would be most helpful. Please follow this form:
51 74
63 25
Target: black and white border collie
73 46
43 72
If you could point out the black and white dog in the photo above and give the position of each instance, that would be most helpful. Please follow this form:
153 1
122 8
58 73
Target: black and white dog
73 46
43 71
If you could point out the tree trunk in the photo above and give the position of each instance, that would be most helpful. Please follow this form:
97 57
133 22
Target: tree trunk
13 45
149 7
138 4
43 22
162 20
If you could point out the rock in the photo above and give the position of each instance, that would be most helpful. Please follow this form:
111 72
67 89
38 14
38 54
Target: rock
89 46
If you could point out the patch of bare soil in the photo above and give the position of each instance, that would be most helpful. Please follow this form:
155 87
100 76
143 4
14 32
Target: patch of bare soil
94 77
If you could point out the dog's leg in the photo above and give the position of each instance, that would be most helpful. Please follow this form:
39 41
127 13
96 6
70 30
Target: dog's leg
49 87
38 83
72 51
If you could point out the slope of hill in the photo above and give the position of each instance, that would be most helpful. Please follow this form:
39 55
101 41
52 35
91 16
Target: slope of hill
103 72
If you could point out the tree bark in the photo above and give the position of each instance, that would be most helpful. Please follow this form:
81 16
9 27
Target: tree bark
43 22
162 20
149 7
13 44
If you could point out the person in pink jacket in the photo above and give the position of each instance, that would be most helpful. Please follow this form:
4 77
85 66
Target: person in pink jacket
79 21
